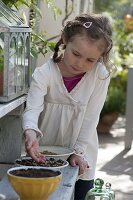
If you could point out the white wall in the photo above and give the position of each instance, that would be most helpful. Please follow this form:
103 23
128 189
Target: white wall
51 26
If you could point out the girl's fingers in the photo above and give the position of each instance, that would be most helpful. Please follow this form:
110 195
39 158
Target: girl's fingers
36 155
33 155
83 167
73 163
40 157
32 148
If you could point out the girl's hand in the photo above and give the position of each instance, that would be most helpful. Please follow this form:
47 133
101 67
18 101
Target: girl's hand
32 146
78 160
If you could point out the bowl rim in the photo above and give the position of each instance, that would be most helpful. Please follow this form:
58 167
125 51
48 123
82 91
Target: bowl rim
70 150
32 167
66 163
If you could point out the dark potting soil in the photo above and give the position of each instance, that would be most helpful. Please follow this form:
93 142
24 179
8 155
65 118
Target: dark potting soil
51 162
34 173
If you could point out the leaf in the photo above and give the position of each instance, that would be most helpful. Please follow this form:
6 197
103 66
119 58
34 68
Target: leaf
51 5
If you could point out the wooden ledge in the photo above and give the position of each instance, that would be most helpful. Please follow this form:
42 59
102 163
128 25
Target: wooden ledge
5 108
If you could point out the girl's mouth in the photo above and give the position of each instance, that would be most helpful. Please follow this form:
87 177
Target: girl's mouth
76 69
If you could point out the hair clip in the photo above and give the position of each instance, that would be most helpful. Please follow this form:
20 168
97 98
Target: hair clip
87 24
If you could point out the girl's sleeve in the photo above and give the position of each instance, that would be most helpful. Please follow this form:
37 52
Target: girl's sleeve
91 118
35 99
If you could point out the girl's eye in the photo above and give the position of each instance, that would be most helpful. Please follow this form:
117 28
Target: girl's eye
76 54
91 61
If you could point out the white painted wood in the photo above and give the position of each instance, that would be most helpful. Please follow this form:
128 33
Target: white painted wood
129 111
5 108
66 187
63 192
10 138
3 169
11 130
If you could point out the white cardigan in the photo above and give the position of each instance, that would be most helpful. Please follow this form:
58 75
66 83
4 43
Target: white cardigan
67 119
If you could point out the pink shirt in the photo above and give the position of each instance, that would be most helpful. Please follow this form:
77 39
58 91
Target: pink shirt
71 82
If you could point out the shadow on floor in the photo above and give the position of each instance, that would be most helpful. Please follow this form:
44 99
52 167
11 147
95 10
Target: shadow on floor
120 164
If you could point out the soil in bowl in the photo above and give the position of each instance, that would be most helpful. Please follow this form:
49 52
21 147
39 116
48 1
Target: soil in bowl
45 152
56 151
50 162
35 173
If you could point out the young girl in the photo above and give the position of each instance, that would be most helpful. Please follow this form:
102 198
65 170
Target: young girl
67 94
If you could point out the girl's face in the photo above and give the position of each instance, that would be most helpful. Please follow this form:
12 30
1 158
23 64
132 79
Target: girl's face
80 55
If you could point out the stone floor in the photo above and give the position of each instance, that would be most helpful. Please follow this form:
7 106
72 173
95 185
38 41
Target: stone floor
115 164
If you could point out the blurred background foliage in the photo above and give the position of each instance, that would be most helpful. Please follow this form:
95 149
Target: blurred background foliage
121 13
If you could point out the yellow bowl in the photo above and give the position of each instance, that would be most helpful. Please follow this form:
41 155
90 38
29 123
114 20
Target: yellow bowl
37 187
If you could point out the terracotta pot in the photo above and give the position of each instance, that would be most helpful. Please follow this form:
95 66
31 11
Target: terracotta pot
106 122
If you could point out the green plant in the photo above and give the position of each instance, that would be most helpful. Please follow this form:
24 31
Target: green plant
39 43
116 96
123 44
1 63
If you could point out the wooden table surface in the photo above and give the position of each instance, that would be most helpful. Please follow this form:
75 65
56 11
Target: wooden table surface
63 192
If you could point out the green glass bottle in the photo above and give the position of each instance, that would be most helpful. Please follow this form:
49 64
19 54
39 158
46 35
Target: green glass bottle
97 193
110 191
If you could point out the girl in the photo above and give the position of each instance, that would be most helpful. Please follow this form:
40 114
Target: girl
67 94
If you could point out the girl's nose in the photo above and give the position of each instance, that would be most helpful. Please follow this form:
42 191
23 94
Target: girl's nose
79 64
